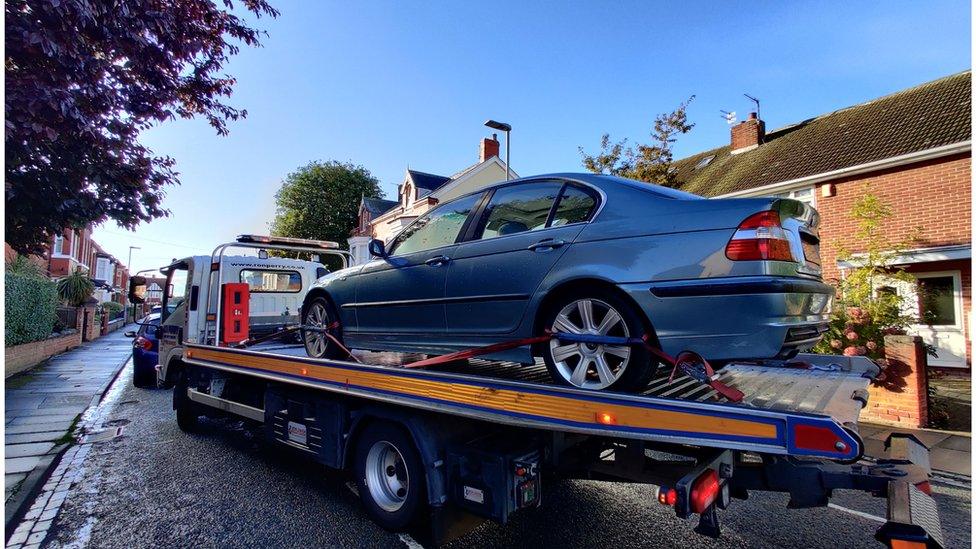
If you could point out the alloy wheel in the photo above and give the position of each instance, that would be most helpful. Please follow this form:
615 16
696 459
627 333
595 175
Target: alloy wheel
318 317
586 365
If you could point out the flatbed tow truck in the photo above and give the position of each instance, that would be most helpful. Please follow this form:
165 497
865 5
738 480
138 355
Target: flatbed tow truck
442 448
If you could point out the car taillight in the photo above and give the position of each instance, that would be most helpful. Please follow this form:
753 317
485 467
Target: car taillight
760 237
144 343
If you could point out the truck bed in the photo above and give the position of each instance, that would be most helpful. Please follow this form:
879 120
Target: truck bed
782 408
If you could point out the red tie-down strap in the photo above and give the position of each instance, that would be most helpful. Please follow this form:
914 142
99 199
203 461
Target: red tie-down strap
689 362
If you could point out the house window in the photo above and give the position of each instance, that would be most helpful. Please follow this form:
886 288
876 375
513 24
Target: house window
805 195
58 245
704 162
937 300
103 269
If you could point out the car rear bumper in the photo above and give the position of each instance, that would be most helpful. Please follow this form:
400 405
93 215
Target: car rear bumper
736 318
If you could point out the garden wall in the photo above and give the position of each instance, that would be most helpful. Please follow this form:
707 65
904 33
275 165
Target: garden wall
901 397
18 358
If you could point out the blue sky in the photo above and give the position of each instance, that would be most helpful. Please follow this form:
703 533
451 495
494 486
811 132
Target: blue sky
396 84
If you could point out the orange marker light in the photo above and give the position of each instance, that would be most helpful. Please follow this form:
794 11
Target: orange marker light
605 418
304 371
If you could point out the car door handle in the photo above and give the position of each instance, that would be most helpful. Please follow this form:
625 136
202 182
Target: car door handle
438 260
546 245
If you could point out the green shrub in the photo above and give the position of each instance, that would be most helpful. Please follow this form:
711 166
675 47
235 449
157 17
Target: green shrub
30 307
75 289
112 306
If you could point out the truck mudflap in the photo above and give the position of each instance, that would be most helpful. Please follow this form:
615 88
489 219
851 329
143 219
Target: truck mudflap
902 476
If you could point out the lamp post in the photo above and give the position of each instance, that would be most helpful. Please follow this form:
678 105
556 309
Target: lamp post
128 267
507 128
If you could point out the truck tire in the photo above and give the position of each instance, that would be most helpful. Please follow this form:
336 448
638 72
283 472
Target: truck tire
187 413
390 476
590 366
320 313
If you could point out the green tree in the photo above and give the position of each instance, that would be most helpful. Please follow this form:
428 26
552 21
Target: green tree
651 162
83 79
75 289
321 200
865 309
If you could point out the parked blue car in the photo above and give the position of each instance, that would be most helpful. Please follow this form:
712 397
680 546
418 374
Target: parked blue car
584 253
145 351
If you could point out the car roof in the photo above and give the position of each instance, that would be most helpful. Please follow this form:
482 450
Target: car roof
597 180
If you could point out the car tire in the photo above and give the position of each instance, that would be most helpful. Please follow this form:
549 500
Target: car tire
319 312
187 412
626 368
390 476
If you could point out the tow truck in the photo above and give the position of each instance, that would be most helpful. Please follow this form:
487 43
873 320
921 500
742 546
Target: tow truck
442 447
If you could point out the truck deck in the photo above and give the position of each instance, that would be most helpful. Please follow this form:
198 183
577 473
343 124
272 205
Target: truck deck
802 412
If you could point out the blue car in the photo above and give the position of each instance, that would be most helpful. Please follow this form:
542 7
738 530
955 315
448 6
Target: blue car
145 351
589 254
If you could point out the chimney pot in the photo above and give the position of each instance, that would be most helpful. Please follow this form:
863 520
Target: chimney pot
752 116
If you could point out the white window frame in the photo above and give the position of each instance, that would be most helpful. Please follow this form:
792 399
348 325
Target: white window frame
792 194
58 246
957 300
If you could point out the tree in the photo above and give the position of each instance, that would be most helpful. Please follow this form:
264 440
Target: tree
865 310
321 200
651 162
83 79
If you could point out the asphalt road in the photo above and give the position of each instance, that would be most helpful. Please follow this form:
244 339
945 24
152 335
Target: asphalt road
156 486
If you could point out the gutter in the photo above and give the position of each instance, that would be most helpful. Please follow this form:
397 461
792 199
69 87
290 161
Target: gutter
894 161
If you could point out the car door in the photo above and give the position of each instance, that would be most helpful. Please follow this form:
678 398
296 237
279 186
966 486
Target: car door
506 254
404 292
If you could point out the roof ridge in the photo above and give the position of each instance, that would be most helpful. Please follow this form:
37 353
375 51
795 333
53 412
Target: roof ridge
427 173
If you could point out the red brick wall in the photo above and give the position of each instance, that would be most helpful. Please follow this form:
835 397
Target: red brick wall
934 195
901 397
21 357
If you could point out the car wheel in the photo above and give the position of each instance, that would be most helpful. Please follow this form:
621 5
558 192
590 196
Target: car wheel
389 476
592 366
319 313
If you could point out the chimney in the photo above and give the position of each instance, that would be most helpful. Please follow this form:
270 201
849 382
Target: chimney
489 148
748 134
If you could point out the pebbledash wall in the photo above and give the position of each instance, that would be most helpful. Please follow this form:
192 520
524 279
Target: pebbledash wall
934 195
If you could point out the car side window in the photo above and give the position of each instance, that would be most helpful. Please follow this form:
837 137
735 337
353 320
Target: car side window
518 209
575 205
439 227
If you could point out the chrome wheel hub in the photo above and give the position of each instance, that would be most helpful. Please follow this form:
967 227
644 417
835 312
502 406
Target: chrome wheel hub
588 365
386 476
316 342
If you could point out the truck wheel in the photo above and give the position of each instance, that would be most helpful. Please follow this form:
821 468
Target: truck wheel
592 366
319 313
187 413
390 476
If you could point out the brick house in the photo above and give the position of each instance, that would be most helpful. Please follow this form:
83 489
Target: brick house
74 250
913 150
419 192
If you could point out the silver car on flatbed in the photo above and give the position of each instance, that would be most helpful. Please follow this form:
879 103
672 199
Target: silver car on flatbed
583 253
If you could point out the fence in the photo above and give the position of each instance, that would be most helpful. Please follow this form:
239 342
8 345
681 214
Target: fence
67 317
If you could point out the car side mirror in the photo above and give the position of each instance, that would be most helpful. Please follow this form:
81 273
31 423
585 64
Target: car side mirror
129 334
377 248
137 289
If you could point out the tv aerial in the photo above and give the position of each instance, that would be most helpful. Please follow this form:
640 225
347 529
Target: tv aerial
728 116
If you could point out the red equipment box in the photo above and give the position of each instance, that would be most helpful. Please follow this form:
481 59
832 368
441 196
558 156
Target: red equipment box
234 313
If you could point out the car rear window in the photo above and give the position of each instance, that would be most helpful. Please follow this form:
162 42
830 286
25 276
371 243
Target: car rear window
575 206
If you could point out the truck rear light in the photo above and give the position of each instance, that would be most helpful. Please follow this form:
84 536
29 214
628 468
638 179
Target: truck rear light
760 237
667 496
704 491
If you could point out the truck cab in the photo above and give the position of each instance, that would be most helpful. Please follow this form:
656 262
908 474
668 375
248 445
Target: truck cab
271 289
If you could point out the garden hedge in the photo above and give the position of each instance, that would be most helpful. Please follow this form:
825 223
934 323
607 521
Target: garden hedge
30 309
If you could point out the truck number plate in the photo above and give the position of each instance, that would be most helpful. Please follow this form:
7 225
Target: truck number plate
298 433
474 494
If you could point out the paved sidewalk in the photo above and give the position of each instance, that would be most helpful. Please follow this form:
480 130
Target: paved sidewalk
43 404
949 451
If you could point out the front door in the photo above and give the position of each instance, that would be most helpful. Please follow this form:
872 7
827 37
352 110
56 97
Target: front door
404 293
936 300
518 239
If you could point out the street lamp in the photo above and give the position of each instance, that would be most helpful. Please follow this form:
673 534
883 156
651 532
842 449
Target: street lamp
128 267
507 128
